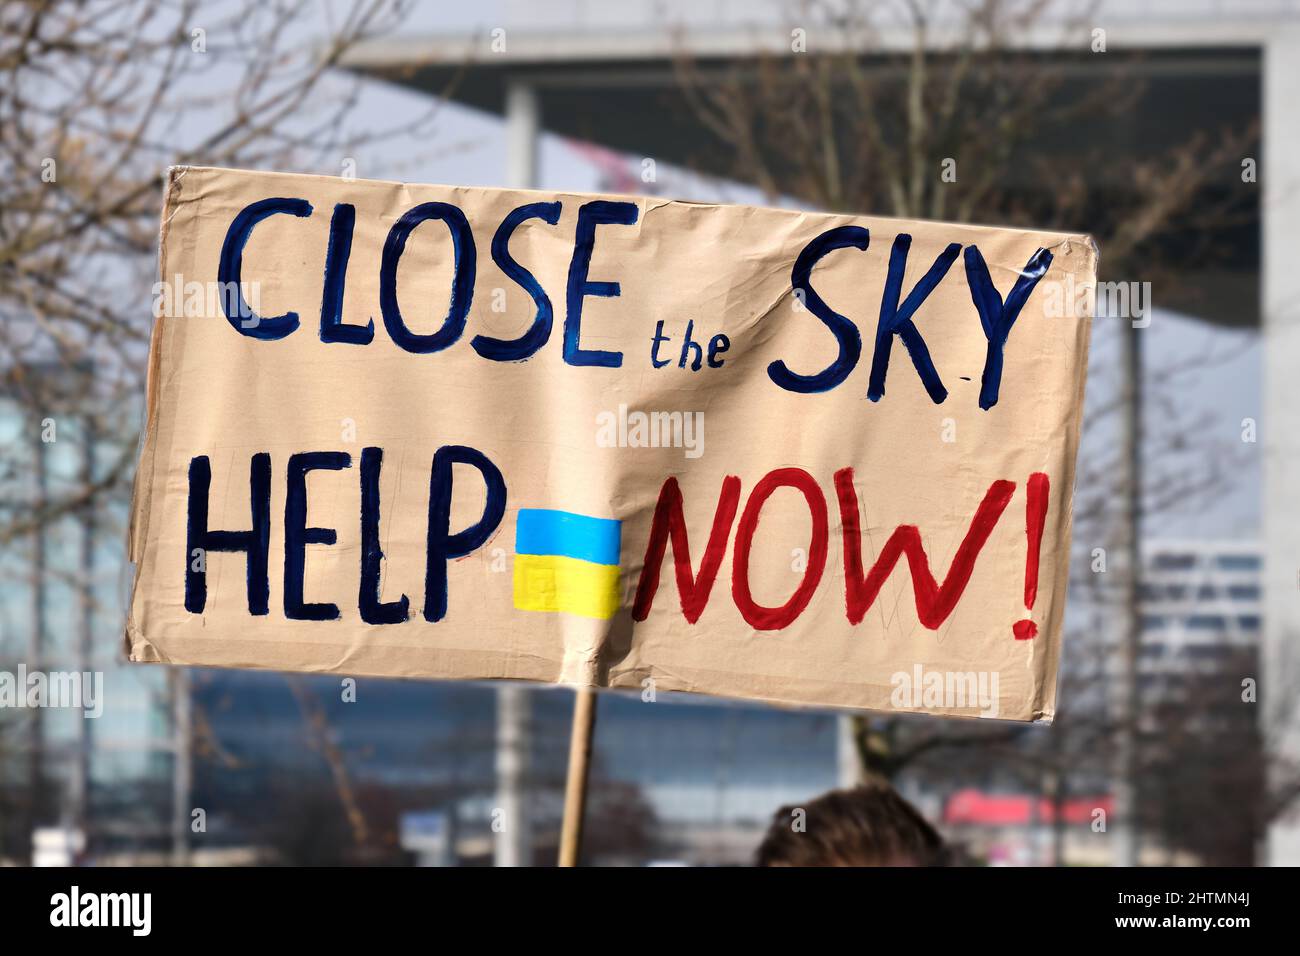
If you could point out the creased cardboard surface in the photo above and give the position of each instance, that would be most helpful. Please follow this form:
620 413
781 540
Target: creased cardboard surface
562 437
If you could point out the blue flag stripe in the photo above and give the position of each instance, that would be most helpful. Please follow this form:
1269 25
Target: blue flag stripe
582 537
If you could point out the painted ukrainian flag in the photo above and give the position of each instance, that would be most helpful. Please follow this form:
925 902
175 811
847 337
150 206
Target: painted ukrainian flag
566 562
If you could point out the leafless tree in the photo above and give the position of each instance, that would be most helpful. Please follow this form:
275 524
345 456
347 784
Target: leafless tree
97 100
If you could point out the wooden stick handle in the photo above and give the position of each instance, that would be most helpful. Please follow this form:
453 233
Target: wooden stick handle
575 786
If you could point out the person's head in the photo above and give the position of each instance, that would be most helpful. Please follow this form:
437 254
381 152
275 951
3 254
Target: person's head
869 825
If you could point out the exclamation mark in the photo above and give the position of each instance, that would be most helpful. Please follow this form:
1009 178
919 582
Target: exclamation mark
1035 519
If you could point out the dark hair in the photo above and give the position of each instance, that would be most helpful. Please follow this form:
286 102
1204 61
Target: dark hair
869 825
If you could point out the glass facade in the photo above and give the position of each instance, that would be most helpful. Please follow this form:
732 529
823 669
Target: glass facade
63 583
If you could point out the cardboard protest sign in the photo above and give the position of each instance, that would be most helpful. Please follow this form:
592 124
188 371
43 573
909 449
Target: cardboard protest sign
427 431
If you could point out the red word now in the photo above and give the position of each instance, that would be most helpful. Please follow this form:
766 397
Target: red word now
935 600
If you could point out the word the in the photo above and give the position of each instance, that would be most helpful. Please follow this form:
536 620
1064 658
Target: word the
692 353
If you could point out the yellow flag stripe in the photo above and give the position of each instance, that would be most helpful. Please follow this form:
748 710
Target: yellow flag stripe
549 582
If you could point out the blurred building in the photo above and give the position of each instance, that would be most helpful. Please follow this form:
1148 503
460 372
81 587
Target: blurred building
61 610
1201 626
670 780
1202 610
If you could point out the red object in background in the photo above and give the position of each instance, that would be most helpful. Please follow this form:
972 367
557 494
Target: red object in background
973 807
616 175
